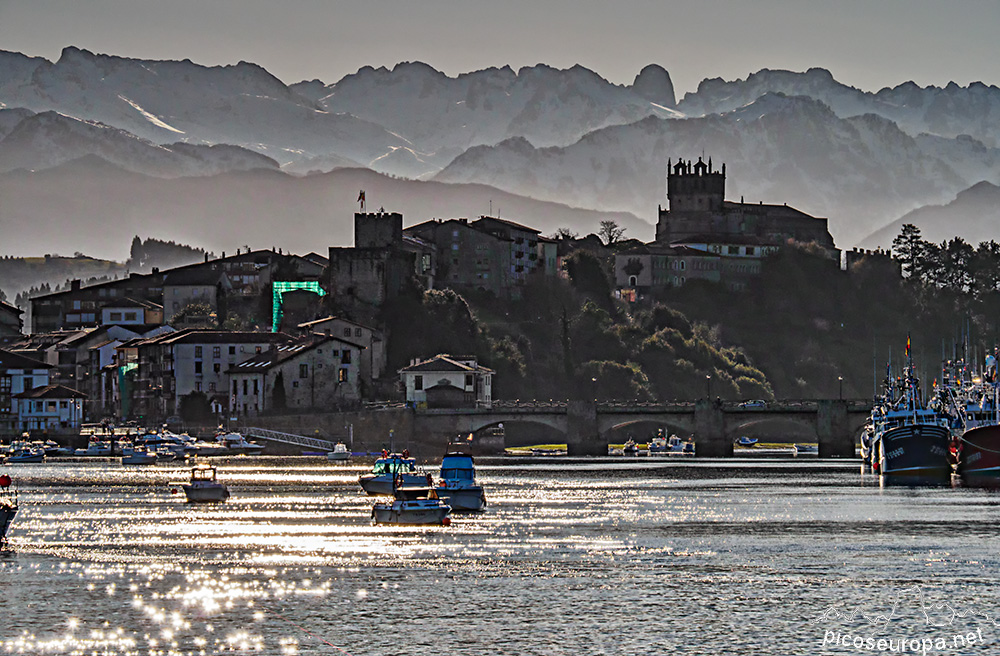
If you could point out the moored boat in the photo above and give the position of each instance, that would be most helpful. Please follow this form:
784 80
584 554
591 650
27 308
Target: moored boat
26 453
204 487
805 449
236 444
393 469
137 455
457 486
412 506
8 505
339 453
746 441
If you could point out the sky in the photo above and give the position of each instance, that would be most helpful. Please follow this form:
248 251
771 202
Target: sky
868 44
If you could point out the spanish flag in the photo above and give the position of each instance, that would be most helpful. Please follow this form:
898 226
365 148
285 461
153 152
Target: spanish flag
907 346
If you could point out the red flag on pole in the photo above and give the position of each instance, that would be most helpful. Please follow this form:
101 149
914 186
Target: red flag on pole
361 199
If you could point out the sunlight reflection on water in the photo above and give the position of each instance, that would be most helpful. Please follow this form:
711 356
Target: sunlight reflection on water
569 557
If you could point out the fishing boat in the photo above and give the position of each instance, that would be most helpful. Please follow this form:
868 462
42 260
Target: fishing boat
8 505
630 448
746 441
412 506
339 453
391 469
911 440
805 449
457 485
204 487
977 449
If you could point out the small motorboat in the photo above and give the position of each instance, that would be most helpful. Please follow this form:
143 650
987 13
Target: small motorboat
339 453
457 486
8 505
26 454
96 448
412 506
393 469
204 488
630 448
746 441
688 447
137 455
236 444
805 449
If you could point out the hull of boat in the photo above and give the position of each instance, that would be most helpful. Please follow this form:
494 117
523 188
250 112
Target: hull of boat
145 459
335 456
980 452
205 494
35 457
403 514
6 517
468 499
915 451
382 483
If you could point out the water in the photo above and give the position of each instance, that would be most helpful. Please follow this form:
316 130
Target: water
601 556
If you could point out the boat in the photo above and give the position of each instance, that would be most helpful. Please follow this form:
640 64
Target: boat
688 448
630 448
96 448
746 441
977 449
457 485
8 505
26 453
910 441
138 455
805 449
235 443
339 453
412 506
391 469
204 488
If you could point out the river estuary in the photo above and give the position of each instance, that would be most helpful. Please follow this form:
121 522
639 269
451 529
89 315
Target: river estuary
572 556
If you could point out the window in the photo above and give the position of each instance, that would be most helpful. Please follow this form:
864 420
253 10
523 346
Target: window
347 332
115 316
130 316
303 371
257 349
734 250
51 406
244 387
197 351
468 380
256 389
216 367
211 387
232 350
342 375
418 383
64 404
357 332
216 351
235 388
197 367
197 386
345 356
29 383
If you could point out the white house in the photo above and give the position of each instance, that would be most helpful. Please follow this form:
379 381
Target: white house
372 359
17 375
51 407
448 381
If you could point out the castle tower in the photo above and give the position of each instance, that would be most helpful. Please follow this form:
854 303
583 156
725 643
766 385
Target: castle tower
695 187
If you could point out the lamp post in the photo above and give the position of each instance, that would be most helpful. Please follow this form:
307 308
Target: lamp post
708 387
593 388
840 379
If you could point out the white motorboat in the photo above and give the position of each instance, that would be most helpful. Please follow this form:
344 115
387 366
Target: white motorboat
339 453
8 505
96 448
393 470
26 453
457 486
237 444
137 455
412 506
204 487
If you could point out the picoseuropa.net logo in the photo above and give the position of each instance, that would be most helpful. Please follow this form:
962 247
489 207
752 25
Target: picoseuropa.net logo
909 625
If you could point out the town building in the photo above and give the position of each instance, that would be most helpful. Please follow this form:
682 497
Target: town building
175 365
55 408
18 374
447 381
11 323
373 358
314 372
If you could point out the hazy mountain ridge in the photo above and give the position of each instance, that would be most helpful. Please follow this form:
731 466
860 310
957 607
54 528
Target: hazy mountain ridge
947 111
86 205
48 139
858 172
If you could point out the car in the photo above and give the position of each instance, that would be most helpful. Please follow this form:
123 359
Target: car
754 404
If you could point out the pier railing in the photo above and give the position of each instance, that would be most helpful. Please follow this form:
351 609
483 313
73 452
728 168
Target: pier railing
289 438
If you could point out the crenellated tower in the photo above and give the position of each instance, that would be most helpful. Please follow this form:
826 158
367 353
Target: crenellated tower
695 187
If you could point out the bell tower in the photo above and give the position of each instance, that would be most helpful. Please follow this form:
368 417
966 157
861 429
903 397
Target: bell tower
695 187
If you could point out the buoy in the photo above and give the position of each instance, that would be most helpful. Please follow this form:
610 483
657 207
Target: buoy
173 490
446 521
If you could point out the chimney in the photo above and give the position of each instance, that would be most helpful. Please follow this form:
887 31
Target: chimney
156 270
74 285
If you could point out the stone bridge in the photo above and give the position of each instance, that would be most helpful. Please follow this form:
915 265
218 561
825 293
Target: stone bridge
587 425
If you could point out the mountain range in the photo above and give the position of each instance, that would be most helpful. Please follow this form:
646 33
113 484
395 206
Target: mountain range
568 137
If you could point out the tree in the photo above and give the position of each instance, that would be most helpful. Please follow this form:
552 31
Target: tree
565 234
278 395
195 408
908 248
610 232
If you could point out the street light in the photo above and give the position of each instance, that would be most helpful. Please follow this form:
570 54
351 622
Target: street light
840 379
593 388
708 387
